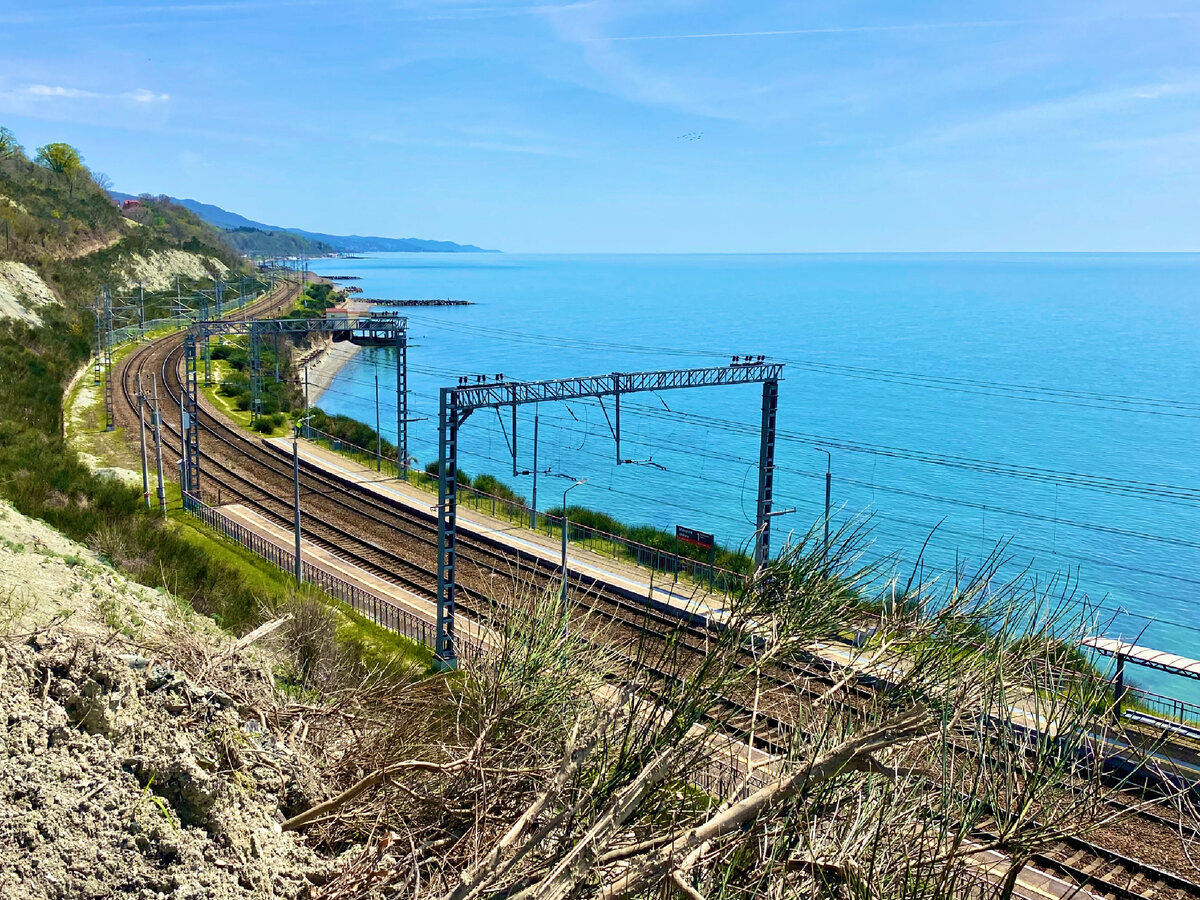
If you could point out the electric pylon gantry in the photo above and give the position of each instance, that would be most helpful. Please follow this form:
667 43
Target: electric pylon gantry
458 402
382 329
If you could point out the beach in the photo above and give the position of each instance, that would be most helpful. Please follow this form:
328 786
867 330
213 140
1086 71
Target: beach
329 359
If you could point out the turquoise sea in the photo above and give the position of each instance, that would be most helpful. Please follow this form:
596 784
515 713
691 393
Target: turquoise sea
1047 400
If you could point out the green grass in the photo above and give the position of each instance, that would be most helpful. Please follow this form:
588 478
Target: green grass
228 405
269 588
377 647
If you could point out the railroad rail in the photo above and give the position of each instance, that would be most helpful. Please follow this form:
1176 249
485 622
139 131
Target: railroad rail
358 526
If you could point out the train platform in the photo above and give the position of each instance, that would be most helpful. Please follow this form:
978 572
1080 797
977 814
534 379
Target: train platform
581 561
371 585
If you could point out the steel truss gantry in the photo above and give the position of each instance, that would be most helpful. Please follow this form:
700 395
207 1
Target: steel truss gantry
124 318
380 328
458 402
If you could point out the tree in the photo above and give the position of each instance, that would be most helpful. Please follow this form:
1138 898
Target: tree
9 146
102 181
62 159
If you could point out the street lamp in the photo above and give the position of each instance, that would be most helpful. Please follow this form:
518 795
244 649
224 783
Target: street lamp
565 529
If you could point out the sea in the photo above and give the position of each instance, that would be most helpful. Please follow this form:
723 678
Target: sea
1043 406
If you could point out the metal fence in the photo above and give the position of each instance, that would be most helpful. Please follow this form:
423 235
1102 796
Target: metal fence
611 545
1164 707
514 511
367 457
375 608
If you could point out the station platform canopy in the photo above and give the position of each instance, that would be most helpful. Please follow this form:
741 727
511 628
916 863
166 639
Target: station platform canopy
1144 656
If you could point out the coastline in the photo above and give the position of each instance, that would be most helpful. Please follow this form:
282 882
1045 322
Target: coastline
325 365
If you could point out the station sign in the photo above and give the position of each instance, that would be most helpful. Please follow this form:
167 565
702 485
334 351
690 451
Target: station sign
694 537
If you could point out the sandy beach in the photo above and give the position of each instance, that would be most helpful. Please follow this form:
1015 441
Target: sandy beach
324 368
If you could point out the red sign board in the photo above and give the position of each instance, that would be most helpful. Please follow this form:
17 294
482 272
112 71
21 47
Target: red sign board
694 537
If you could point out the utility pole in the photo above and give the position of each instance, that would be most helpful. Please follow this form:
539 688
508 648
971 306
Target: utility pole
307 427
378 436
156 419
534 514
109 415
141 312
402 403
141 395
566 527
828 491
99 345
183 428
296 499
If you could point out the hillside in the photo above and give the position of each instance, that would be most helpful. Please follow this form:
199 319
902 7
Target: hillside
116 713
256 242
47 212
341 243
62 237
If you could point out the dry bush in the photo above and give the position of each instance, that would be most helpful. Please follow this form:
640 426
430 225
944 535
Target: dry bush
309 637
115 542
548 768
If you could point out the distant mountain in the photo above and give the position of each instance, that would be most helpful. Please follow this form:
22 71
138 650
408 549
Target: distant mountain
352 243
256 242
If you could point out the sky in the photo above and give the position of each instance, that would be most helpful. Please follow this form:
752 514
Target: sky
606 126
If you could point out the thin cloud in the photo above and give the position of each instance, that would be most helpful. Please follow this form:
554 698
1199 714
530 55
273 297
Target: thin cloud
52 91
871 29
1037 118
46 90
141 95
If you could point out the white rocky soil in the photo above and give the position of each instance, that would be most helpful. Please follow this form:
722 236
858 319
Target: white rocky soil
157 270
141 754
22 292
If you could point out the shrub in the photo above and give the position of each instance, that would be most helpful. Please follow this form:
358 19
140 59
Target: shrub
490 484
434 470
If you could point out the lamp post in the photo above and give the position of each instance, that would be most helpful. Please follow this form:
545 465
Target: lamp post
565 528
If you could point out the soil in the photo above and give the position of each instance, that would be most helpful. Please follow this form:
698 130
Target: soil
138 752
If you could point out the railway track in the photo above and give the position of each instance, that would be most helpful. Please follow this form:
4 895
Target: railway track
770 732
360 527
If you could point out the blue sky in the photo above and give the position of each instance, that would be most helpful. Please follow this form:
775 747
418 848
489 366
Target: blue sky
653 126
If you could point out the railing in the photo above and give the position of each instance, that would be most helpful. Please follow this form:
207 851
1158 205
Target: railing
1164 707
516 512
360 454
718 778
602 542
375 608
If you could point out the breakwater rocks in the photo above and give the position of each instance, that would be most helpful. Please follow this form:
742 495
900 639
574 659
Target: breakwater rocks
374 301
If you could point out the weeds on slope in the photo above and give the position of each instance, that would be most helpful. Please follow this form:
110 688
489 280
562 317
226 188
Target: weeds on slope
544 771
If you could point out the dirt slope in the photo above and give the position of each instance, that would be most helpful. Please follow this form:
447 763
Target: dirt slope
139 753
